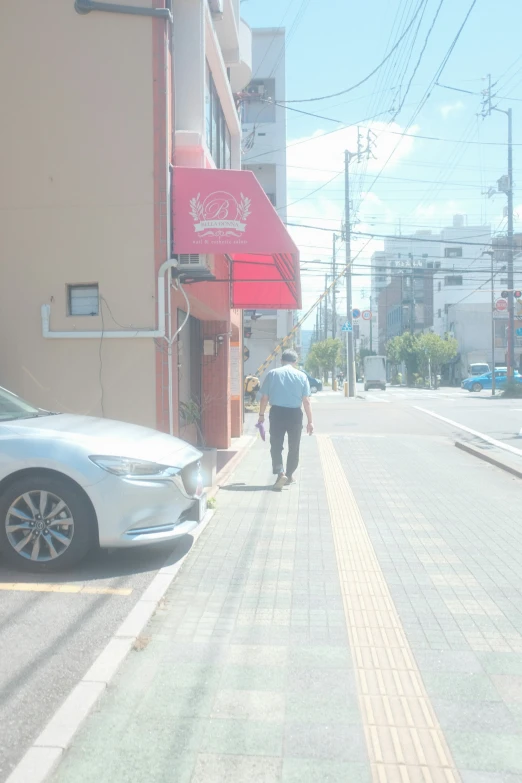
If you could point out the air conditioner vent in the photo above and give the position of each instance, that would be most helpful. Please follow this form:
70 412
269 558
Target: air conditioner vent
195 265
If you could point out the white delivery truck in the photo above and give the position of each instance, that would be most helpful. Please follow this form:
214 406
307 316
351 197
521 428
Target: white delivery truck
374 372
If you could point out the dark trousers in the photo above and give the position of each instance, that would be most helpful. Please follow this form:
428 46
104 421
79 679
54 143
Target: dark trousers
285 421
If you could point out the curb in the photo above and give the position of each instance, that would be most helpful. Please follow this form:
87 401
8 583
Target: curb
43 756
230 467
487 458
46 752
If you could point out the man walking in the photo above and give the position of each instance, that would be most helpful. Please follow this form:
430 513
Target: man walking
286 388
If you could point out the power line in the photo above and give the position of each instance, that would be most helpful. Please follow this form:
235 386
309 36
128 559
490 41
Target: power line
369 76
417 64
395 133
291 204
312 138
394 236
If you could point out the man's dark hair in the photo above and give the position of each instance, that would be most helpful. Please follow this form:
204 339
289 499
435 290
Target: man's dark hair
289 357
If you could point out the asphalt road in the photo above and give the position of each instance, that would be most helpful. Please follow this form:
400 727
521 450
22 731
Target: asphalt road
493 416
48 640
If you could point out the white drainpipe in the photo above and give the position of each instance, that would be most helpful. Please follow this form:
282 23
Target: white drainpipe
161 330
121 334
130 334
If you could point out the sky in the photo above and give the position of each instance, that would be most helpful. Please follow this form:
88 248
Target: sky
409 183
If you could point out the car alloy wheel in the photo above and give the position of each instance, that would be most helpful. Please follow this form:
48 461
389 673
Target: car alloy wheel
47 522
477 387
39 526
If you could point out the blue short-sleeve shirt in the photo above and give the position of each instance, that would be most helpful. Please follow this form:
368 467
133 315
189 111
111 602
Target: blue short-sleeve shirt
286 386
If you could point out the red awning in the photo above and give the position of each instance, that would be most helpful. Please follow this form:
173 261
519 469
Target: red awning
224 211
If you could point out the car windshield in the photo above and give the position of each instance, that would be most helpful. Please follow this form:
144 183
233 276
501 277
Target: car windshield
13 407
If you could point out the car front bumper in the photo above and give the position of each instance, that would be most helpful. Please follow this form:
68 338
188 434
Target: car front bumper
136 512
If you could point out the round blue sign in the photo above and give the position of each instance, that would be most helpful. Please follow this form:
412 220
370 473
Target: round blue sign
356 313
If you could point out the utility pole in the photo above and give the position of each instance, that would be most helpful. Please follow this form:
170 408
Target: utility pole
371 324
493 377
413 314
487 108
350 366
511 285
326 308
334 289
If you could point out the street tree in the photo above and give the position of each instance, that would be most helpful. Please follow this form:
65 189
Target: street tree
323 357
405 348
436 351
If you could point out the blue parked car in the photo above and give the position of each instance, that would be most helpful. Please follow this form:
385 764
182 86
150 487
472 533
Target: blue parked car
479 382
315 384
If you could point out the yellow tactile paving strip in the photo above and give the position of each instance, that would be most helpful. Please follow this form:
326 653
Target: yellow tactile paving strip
42 587
405 742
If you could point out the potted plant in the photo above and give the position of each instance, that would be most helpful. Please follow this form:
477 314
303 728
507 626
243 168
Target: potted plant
190 415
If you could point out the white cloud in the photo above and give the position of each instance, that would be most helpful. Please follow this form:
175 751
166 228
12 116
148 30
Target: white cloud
316 158
449 108
311 163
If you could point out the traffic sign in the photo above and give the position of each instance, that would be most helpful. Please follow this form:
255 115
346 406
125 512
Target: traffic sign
367 315
246 354
347 327
356 313
519 332
501 304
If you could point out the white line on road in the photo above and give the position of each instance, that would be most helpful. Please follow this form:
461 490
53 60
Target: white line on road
477 434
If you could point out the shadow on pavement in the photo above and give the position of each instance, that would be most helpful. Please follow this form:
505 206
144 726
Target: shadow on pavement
247 487
107 564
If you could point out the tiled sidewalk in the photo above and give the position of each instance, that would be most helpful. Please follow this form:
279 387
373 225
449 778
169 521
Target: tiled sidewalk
246 673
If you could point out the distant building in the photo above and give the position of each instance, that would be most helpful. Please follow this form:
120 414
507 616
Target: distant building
439 281
463 272
263 125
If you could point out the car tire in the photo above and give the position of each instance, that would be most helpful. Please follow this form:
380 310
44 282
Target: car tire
365 387
477 387
71 546
313 389
383 387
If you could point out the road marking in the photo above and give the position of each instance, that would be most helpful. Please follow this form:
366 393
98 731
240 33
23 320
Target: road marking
477 434
405 741
42 587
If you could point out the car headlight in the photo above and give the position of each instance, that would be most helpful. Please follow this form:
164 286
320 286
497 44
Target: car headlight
134 468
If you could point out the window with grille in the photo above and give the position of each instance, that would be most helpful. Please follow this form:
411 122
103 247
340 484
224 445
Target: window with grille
453 280
452 252
83 299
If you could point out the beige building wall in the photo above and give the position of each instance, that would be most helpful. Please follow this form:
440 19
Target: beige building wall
76 205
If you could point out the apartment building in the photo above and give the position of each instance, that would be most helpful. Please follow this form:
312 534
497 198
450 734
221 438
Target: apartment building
438 280
263 121
130 240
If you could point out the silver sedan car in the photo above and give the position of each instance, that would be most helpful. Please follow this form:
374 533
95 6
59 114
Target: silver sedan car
69 483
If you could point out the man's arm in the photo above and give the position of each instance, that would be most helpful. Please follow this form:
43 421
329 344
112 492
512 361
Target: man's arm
308 410
262 406
265 395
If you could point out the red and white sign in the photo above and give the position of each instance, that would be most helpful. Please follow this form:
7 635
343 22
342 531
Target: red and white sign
225 211
501 304
367 315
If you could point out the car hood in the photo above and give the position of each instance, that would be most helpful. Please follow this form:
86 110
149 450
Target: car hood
107 437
